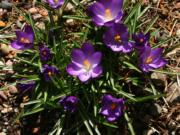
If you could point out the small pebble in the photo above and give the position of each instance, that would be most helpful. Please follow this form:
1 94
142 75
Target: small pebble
37 16
33 10
7 110
12 90
70 21
2 133
178 32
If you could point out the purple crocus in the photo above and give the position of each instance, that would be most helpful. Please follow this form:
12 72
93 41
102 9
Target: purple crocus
25 86
45 53
151 59
106 12
85 63
141 40
55 3
112 108
25 39
116 38
49 72
69 103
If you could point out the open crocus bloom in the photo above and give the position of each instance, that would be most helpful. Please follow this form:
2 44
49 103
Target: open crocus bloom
45 53
69 103
85 63
24 39
55 3
49 72
151 59
116 37
112 108
106 12
141 40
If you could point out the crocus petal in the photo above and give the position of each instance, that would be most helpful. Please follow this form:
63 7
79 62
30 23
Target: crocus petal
88 49
104 111
156 53
83 77
97 71
74 70
95 59
119 17
20 46
111 119
127 47
78 57
98 9
158 64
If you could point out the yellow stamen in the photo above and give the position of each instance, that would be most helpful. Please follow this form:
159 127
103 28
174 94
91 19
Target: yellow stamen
50 73
56 1
24 40
87 64
113 106
148 60
117 38
108 14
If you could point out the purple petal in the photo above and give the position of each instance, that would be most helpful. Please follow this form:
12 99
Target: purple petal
111 118
98 9
88 49
73 69
97 71
95 59
156 53
20 46
78 57
161 62
83 77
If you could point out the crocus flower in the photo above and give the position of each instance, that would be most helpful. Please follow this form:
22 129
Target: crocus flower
112 108
69 103
116 38
106 12
151 59
49 72
85 63
141 40
25 39
25 86
45 53
55 3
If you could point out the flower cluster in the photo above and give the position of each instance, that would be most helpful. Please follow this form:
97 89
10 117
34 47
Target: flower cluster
86 63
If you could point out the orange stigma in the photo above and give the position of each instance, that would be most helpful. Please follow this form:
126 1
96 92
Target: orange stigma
148 60
87 64
24 40
113 106
117 38
44 53
108 14
141 40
